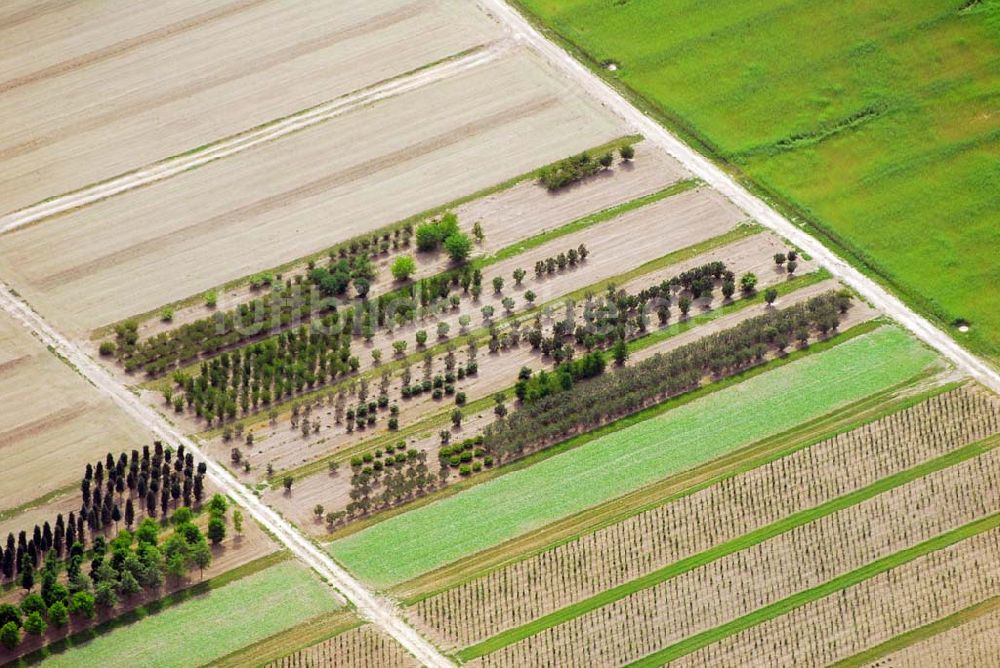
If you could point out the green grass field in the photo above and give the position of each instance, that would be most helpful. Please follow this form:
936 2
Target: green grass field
211 625
877 120
407 545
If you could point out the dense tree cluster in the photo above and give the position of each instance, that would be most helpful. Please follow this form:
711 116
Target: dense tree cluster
334 280
553 417
570 170
113 493
531 387
469 456
570 258
267 371
385 479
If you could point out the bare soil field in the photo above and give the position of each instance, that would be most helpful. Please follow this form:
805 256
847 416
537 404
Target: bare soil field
508 217
744 581
360 647
53 422
972 643
279 201
611 556
214 69
880 608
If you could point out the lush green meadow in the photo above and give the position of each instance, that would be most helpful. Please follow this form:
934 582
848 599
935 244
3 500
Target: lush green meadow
407 545
877 120
211 625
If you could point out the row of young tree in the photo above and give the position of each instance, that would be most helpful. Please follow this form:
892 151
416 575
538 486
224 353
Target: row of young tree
383 479
350 263
289 363
550 265
578 167
205 336
552 417
113 493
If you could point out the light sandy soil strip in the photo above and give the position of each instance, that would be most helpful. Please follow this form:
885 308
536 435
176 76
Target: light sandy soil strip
362 647
739 583
508 217
282 200
380 611
641 544
52 421
973 643
893 602
703 168
218 69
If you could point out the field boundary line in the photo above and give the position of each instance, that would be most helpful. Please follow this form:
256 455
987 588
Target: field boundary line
346 588
666 491
522 30
331 624
738 544
797 600
253 137
921 633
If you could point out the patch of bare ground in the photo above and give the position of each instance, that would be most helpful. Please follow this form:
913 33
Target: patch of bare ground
513 215
119 71
360 647
282 200
909 596
643 543
739 583
52 423
971 643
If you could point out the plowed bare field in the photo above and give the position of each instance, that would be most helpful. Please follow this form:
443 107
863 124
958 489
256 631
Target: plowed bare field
281 200
140 82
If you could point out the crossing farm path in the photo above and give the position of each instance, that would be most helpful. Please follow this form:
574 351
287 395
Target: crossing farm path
522 31
378 610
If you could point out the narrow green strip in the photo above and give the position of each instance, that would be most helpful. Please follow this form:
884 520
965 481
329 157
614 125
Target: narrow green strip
743 542
590 220
921 633
696 642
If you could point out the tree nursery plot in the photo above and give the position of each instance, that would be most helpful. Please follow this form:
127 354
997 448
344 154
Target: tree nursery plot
223 68
210 625
52 421
880 130
612 556
359 647
742 582
434 535
880 608
302 193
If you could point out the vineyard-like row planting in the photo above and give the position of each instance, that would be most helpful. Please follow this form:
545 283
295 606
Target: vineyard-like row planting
871 612
973 643
528 589
744 581
359 647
